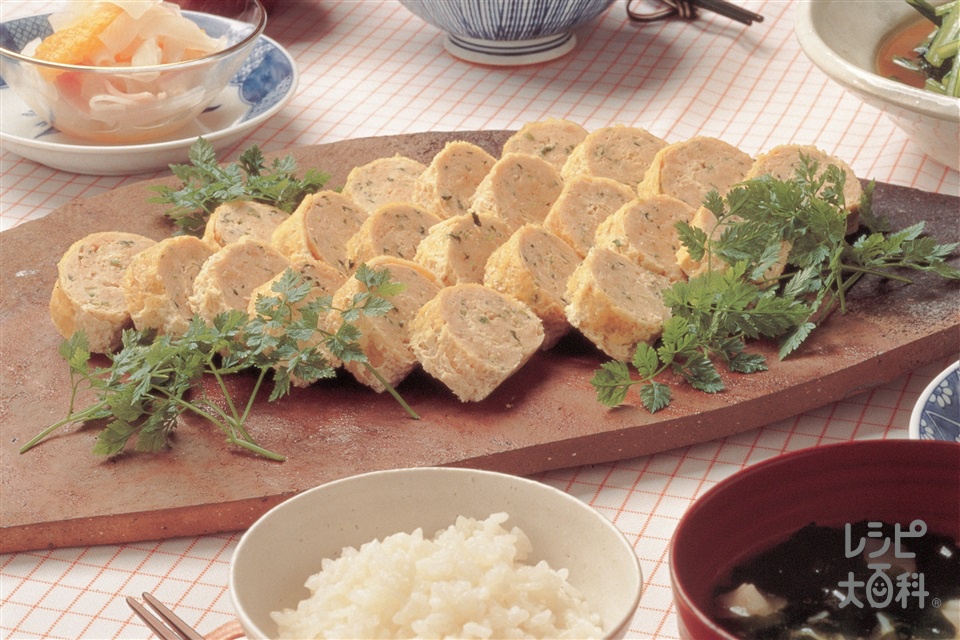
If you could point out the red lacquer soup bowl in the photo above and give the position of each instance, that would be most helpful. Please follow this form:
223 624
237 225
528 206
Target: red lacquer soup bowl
893 481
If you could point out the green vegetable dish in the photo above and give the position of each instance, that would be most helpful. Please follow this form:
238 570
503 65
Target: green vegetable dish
936 54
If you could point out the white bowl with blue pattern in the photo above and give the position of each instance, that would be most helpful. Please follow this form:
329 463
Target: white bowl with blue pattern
936 416
508 32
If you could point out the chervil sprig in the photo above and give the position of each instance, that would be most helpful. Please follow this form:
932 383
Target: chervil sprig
779 262
153 380
205 184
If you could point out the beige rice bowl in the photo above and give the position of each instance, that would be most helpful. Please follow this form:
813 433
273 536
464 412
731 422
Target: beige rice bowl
434 552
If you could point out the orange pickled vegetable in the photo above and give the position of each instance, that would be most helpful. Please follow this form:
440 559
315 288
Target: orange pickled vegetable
78 42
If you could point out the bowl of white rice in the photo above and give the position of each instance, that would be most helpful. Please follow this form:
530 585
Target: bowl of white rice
434 552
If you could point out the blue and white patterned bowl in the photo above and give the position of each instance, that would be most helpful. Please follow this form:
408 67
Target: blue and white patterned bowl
508 32
936 416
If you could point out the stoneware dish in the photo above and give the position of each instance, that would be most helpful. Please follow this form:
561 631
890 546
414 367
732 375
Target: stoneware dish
508 32
843 38
897 481
936 415
286 545
128 104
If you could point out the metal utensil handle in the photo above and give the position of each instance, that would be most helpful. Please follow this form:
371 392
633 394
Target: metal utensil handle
169 626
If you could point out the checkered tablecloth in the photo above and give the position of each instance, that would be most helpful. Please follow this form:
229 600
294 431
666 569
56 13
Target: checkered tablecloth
368 68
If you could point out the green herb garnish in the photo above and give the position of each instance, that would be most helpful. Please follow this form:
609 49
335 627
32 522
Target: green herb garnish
206 184
742 298
153 380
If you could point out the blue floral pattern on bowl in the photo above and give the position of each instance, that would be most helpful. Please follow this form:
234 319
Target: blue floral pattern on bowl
264 79
936 416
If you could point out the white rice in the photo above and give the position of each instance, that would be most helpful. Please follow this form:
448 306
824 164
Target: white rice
469 581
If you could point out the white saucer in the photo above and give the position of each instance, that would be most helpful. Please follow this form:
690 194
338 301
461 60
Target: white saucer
262 86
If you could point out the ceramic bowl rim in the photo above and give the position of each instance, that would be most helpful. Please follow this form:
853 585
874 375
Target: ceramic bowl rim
615 626
866 82
914 425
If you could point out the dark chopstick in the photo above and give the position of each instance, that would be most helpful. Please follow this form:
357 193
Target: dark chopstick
728 10
687 9
168 626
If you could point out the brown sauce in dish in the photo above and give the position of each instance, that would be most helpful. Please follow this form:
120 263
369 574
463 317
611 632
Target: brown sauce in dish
901 42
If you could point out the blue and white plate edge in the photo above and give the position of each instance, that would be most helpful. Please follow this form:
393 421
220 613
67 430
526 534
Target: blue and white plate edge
923 400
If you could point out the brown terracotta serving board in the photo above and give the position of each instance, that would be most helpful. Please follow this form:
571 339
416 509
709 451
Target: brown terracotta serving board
545 417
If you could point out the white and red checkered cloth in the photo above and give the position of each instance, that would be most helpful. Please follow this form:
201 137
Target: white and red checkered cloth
369 67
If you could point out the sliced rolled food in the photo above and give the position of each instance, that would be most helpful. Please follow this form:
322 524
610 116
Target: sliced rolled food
552 139
472 338
616 303
782 163
644 231
385 339
393 229
233 220
533 266
88 294
158 283
690 169
229 277
447 185
618 152
382 181
320 228
584 203
456 250
324 280
519 188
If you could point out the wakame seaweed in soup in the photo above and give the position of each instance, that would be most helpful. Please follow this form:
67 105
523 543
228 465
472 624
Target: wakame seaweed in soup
869 580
